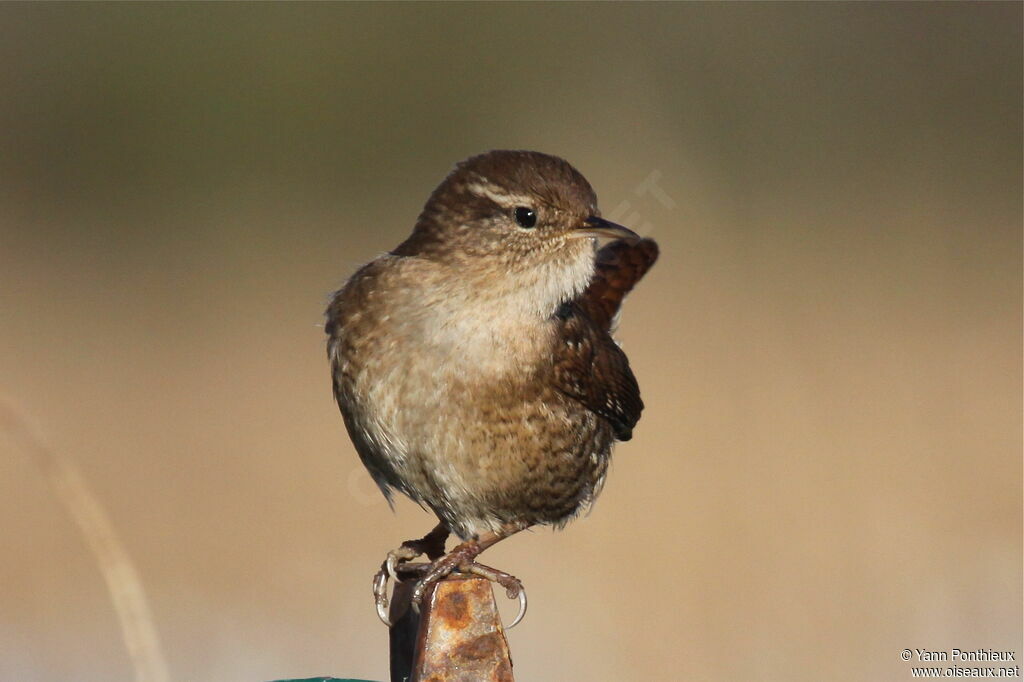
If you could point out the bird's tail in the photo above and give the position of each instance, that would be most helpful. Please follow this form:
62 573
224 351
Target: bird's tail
618 267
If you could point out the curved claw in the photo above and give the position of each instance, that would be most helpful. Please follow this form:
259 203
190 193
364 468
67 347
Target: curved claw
391 565
513 586
522 609
380 594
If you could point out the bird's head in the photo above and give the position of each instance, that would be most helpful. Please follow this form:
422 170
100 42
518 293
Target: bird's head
521 217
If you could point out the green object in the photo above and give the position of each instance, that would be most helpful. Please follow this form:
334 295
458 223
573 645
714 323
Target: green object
325 679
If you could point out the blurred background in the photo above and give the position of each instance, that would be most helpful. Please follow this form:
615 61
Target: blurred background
829 467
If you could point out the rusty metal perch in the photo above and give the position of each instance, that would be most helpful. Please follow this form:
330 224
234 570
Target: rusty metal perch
456 637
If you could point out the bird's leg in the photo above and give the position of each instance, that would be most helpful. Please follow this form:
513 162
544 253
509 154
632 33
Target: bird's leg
463 558
431 544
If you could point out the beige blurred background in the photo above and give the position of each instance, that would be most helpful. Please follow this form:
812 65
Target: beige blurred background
829 467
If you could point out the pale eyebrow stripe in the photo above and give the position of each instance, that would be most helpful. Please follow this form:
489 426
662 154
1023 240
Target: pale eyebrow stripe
499 197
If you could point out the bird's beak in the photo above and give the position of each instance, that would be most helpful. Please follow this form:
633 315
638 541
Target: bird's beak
599 227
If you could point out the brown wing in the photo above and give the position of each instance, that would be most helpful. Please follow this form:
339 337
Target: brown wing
589 366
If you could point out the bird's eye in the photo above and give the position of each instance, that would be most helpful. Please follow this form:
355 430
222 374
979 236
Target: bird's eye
525 216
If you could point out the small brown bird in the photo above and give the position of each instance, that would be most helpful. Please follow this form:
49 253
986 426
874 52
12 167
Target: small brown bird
474 364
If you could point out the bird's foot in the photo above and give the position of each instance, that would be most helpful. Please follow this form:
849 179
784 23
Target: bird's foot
431 544
462 555
463 560
513 586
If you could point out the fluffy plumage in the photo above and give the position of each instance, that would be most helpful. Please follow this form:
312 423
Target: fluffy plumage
474 364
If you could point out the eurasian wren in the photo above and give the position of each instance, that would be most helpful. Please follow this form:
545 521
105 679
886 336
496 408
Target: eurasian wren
474 364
